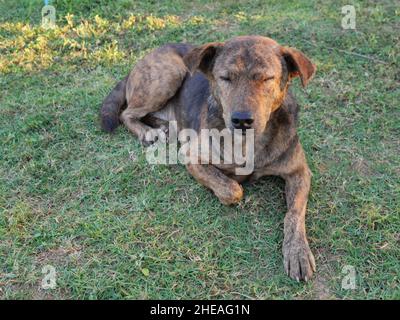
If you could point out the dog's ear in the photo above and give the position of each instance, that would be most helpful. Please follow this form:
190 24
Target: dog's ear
298 65
202 57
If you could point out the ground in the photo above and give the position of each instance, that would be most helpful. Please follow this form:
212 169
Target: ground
112 226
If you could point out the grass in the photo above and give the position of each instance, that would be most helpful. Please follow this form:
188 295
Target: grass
117 228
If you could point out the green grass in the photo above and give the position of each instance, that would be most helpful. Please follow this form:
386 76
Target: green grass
113 228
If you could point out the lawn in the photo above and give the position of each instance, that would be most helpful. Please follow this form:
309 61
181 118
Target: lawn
114 227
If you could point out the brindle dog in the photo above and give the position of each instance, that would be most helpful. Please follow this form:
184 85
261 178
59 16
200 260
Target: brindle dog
240 84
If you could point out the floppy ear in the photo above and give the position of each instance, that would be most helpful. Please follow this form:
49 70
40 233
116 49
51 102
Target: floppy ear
202 57
298 64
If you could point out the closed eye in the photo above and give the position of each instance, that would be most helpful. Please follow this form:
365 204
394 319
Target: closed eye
224 78
268 78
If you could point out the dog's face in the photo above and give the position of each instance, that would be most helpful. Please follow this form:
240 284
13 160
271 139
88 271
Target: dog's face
249 77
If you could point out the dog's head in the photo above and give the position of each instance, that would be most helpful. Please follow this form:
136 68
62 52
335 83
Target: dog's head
249 77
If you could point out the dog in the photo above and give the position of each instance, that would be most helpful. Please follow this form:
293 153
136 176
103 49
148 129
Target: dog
239 84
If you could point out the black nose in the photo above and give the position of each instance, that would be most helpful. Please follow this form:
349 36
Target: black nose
242 120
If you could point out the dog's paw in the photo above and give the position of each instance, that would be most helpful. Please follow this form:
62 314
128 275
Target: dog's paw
230 194
298 259
154 135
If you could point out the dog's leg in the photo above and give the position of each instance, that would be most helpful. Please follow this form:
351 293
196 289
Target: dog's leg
298 260
146 134
153 81
226 189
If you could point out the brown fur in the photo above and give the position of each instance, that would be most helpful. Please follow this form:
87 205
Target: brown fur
248 74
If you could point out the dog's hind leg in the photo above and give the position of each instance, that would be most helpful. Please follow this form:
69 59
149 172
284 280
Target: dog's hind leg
137 127
154 80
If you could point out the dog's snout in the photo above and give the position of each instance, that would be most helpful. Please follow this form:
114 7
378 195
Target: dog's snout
242 120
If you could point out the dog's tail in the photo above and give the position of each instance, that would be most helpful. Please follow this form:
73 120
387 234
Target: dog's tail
112 106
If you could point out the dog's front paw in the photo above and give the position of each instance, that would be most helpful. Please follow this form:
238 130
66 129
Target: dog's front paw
298 259
230 194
